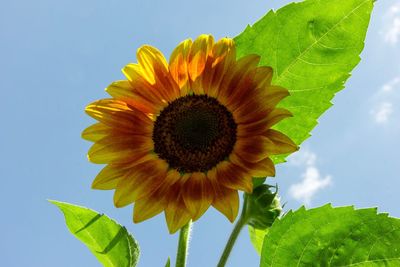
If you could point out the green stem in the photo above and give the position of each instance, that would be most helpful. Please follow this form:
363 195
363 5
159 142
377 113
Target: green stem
234 235
183 245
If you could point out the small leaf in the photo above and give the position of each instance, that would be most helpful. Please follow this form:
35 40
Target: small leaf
328 236
168 264
111 243
312 47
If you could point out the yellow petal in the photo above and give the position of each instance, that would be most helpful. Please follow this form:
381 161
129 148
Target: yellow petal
151 61
124 90
108 177
197 194
178 63
198 54
147 208
96 132
176 215
133 72
222 57
151 78
156 202
119 115
121 89
223 49
119 150
143 88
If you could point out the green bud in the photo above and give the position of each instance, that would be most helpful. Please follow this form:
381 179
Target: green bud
262 207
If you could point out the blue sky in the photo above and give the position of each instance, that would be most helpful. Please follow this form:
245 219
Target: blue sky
57 56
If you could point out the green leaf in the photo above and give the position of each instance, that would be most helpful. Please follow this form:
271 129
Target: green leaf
312 47
111 243
328 236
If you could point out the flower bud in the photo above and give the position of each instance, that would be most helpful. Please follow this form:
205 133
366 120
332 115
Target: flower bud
263 207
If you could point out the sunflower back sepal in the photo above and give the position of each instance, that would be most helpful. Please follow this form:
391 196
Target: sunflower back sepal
263 207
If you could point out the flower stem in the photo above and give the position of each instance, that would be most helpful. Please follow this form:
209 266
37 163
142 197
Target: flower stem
234 235
183 245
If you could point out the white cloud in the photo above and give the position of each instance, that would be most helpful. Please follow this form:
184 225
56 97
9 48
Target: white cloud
312 181
303 157
391 85
393 33
383 112
392 28
383 101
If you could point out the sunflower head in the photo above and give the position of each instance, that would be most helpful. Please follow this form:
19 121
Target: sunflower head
181 136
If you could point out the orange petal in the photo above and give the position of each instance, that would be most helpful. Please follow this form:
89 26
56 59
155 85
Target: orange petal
234 177
281 143
274 94
142 180
198 54
259 127
250 129
262 168
263 76
178 63
155 92
197 194
222 57
120 149
226 200
253 149
276 115
258 101
236 80
153 204
252 108
223 50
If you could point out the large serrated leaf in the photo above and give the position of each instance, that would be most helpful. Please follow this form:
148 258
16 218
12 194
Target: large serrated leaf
257 238
111 243
312 47
328 236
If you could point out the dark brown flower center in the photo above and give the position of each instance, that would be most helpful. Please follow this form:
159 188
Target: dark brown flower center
194 133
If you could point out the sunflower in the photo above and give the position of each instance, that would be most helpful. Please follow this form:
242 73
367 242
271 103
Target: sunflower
181 136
